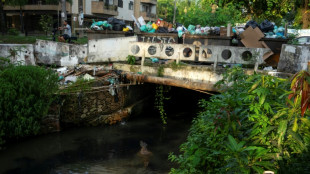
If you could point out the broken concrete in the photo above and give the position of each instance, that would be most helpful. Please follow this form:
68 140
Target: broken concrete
294 58
18 53
58 53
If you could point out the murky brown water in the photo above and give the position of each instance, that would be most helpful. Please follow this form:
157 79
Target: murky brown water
103 150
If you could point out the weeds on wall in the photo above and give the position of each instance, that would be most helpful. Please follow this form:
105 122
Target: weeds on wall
131 59
160 71
160 99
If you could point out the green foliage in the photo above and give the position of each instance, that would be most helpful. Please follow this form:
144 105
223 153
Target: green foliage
4 63
202 13
13 32
131 59
32 39
46 22
78 86
160 98
175 66
262 127
160 71
26 94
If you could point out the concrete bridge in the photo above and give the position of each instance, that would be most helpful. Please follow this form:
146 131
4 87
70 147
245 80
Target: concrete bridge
197 68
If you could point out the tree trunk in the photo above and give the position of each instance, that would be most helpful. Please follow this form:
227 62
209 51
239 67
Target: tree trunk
2 18
174 10
305 15
21 19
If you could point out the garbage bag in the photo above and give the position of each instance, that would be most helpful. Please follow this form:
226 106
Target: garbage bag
149 26
180 33
251 23
143 28
117 24
155 26
266 26
162 30
126 29
152 31
191 27
118 27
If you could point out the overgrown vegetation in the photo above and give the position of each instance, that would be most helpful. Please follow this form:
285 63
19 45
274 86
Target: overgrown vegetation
160 71
13 32
160 97
220 12
259 123
46 22
131 59
32 39
78 86
26 94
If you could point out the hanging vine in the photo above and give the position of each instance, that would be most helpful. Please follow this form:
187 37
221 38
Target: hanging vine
160 98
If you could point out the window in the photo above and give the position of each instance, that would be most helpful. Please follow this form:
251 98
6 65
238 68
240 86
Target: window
146 8
120 3
108 2
130 5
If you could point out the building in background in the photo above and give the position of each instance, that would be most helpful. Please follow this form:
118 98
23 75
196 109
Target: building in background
91 10
126 11
146 8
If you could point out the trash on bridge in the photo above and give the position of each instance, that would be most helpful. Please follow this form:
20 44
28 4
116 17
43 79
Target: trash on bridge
251 39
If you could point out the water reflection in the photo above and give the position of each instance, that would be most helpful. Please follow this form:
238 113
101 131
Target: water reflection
140 145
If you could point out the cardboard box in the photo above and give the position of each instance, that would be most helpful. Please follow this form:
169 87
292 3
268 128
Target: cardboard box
223 31
250 39
170 25
163 24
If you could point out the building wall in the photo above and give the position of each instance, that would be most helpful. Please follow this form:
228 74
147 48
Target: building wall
124 13
87 6
75 6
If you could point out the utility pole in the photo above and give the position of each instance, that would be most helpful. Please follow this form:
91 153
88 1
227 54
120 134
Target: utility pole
63 11
175 9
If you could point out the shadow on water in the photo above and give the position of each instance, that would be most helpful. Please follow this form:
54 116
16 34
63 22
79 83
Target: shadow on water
110 149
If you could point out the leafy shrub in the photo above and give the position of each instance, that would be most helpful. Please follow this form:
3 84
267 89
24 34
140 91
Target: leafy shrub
256 124
26 93
13 31
131 59
46 22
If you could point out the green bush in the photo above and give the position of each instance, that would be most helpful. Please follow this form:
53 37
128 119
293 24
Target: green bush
26 93
13 31
254 125
131 59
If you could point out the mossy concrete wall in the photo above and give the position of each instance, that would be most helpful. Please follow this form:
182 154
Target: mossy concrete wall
294 58
18 53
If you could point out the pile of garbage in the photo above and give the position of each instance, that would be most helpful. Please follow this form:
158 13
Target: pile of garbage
111 24
268 28
70 75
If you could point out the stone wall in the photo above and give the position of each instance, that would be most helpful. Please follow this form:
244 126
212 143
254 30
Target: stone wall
18 53
100 108
84 109
58 53
294 58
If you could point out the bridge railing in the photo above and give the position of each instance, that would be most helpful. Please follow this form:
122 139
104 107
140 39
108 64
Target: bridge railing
207 53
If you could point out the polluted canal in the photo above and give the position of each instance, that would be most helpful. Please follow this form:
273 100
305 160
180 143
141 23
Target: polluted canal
139 144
